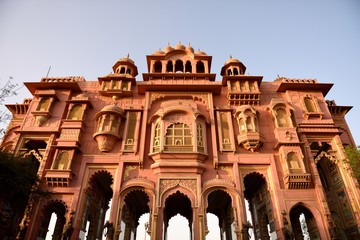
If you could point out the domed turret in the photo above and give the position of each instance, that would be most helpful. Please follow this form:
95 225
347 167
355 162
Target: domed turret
233 67
200 53
125 66
168 48
158 52
179 46
108 127
189 48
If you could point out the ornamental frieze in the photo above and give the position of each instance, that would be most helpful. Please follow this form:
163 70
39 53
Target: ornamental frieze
166 184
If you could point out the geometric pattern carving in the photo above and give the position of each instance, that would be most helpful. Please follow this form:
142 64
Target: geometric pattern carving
166 184
70 134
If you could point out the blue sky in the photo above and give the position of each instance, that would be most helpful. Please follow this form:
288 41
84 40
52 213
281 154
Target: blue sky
296 39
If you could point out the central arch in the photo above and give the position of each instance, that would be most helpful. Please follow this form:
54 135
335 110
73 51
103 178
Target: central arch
219 203
177 203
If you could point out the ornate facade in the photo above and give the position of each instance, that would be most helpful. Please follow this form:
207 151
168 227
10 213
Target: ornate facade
177 141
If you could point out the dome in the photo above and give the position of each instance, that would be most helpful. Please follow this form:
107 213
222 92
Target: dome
200 52
126 59
179 46
112 108
232 60
189 48
158 52
168 48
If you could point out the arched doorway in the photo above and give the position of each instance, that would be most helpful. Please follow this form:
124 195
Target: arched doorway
98 195
136 204
344 222
178 203
258 196
56 209
303 223
220 204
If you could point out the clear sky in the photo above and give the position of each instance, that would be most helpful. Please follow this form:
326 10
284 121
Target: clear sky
296 39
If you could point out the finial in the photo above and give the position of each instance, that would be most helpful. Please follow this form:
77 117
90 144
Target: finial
128 56
230 56
114 98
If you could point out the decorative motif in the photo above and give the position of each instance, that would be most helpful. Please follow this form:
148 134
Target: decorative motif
127 170
70 134
228 170
106 143
40 120
166 184
195 96
331 157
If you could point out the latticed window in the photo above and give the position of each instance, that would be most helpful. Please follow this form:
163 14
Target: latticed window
44 104
310 106
199 138
178 137
281 118
76 112
62 161
129 143
293 163
156 144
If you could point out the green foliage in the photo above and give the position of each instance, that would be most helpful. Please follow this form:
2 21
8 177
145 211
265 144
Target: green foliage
17 177
353 155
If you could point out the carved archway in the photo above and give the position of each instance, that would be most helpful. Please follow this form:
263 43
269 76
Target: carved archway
59 208
306 225
97 197
258 196
135 203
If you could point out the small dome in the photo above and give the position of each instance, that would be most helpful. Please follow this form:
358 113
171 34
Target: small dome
127 59
113 108
232 60
189 48
179 46
158 52
200 52
168 48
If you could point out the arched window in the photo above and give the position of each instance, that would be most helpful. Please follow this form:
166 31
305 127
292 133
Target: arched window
236 71
106 125
157 67
124 86
169 67
281 118
115 124
62 161
229 72
179 66
249 124
122 70
76 112
293 162
178 137
128 71
200 68
199 137
156 143
44 104
130 134
309 103
188 67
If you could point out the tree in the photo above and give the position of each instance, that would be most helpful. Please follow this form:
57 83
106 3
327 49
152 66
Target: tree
18 176
353 155
8 90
